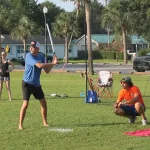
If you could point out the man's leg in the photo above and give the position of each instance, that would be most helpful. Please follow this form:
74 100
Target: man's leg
44 111
23 113
141 110
120 112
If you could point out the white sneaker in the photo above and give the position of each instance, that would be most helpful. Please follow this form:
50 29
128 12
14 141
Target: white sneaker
144 122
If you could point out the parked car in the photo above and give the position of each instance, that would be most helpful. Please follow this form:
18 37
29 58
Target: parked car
21 58
142 63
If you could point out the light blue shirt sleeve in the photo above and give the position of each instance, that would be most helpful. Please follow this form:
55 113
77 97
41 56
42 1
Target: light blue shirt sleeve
32 60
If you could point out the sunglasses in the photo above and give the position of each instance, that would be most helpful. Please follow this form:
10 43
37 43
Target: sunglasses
122 82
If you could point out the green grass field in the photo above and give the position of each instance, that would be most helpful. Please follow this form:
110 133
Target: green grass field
94 126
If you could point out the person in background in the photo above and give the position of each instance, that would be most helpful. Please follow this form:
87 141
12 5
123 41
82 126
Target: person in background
130 102
34 62
5 73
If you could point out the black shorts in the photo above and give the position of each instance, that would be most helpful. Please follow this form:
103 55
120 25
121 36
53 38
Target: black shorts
28 89
130 110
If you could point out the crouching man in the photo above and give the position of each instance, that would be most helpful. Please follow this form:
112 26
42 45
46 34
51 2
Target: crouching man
130 102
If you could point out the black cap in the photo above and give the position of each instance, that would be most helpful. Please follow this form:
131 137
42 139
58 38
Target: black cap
126 79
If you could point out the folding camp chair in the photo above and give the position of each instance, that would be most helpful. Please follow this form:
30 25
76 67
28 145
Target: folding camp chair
104 84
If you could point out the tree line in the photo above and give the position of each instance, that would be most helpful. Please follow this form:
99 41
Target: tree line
21 19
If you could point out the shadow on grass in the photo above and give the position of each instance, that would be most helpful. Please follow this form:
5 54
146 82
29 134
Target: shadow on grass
100 124
107 124
57 97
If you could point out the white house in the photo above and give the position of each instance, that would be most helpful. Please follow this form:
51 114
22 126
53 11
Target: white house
134 42
16 47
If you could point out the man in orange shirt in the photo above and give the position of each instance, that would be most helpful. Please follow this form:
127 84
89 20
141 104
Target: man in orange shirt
130 102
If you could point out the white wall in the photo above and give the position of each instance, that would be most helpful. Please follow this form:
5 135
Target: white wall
12 53
58 48
74 52
80 44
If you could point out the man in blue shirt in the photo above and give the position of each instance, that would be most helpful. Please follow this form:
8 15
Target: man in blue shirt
34 62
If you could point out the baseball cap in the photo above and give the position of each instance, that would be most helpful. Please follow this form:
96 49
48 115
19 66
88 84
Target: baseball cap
126 79
35 44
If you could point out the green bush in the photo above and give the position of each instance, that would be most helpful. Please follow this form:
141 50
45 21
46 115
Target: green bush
97 54
119 55
14 60
143 52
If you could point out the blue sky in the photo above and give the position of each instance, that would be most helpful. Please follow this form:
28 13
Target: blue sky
68 6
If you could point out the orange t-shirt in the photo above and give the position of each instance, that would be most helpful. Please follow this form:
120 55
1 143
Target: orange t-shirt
129 94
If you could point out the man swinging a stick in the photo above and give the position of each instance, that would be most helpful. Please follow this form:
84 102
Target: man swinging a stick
34 63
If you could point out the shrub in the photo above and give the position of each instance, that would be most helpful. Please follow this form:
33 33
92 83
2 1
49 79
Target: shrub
97 54
143 52
14 60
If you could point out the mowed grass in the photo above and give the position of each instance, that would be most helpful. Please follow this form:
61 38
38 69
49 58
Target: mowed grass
95 127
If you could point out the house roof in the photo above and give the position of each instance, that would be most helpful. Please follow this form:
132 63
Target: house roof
99 38
103 39
39 38
74 41
135 39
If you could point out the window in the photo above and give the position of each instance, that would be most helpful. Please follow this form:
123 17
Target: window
69 50
20 49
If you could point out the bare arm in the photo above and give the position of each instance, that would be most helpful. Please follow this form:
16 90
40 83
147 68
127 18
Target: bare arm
47 66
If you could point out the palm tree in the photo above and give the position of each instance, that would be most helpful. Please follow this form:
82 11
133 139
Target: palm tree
63 28
118 14
88 24
4 19
23 30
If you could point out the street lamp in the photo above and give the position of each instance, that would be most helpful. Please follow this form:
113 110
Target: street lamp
45 10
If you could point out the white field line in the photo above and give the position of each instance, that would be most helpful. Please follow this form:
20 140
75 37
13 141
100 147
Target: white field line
60 130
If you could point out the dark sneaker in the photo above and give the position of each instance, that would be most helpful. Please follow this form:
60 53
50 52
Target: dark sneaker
132 119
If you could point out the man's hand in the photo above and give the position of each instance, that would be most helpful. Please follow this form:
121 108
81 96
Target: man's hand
122 104
116 105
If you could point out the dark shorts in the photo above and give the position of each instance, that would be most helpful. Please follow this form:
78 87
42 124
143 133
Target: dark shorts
28 89
4 78
130 110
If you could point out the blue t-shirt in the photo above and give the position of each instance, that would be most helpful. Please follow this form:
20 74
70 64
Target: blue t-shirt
32 72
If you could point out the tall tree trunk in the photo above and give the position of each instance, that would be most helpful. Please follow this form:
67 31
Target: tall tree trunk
108 31
66 49
124 44
24 45
88 22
